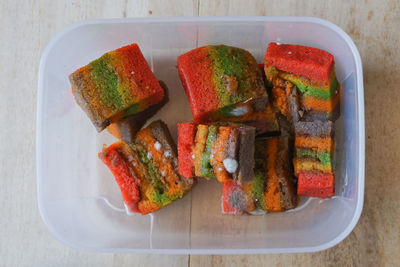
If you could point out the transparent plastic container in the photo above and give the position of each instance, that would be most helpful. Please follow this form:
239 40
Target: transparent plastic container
81 204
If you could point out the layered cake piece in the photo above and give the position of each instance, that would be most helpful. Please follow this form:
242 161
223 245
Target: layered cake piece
116 85
217 151
273 187
274 183
126 128
221 82
146 170
314 148
312 72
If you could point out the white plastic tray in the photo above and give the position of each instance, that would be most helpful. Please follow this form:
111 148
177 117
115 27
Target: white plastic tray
78 199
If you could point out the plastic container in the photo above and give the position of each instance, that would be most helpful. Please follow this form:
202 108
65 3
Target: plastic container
78 199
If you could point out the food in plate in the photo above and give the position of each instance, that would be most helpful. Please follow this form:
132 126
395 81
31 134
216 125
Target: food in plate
221 82
222 151
273 187
312 72
116 85
126 128
314 147
146 170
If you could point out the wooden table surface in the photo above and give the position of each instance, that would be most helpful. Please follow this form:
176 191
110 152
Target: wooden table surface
27 26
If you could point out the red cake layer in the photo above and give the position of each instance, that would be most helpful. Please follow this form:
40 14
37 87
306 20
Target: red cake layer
127 184
195 71
234 199
312 63
186 136
316 185
134 63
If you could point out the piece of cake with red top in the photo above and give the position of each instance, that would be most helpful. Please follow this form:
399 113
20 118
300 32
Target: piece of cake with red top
314 148
273 187
146 170
223 150
221 82
312 72
316 185
116 85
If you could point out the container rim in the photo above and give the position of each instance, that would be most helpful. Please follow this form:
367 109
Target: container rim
361 132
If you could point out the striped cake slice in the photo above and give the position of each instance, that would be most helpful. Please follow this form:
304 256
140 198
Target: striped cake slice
114 86
314 148
273 187
222 150
312 72
221 82
146 170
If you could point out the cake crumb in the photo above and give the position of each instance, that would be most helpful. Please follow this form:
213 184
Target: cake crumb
230 165
157 145
167 154
239 111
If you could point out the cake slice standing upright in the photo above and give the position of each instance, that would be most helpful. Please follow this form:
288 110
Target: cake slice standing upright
221 151
313 165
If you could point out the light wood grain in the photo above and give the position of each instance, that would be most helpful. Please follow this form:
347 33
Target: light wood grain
27 26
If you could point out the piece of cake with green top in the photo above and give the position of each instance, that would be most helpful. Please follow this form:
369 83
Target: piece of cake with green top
314 147
116 85
312 72
222 150
221 82
273 187
146 170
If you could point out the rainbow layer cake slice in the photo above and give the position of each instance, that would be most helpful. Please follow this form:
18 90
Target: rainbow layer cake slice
221 82
273 187
217 151
311 71
146 170
116 85
314 148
